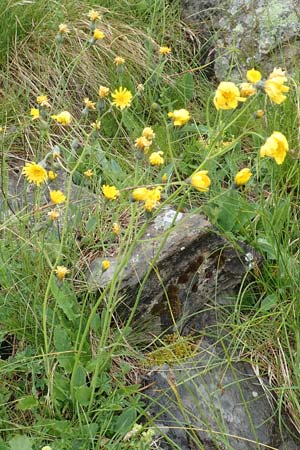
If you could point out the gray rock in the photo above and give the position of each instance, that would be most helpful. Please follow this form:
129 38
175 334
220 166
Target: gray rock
192 267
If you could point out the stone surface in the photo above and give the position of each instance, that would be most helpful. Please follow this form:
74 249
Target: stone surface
192 267
206 403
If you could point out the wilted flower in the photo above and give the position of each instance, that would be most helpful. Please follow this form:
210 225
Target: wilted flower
103 91
43 101
53 214
122 98
201 181
227 96
35 173
243 176
276 146
89 104
156 159
110 192
96 125
57 197
247 89
148 133
180 117
142 143
63 28
253 76
61 272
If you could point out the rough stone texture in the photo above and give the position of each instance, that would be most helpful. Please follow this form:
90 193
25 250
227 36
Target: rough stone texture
222 406
193 267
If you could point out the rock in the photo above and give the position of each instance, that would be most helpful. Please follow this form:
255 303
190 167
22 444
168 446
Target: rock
199 9
209 403
192 267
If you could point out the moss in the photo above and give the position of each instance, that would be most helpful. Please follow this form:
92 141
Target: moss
174 348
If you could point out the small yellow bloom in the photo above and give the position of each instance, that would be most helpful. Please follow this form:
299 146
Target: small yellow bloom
156 159
103 91
164 50
119 61
259 113
277 73
63 28
180 117
46 447
164 178
243 176
110 192
89 104
253 76
274 86
98 34
53 215
276 146
105 265
96 125
35 113
227 96
140 194
93 15
52 175
35 173
142 143
122 98
148 133
57 197
61 272
246 90
116 228
201 181
88 173
152 199
64 118
43 101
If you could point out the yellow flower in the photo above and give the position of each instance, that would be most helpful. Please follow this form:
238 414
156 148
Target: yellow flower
259 113
110 192
164 50
93 15
227 96
140 194
89 104
61 272
64 118
53 215
43 100
57 197
243 176
116 228
276 146
164 178
156 159
96 125
152 199
180 117
88 173
35 173
98 34
148 133
253 76
103 91
274 86
247 89
105 264
119 61
122 98
63 28
35 113
142 143
52 175
201 181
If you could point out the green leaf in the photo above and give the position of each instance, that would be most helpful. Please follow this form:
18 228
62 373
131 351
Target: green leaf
27 403
126 420
65 298
91 224
82 395
20 442
80 377
269 302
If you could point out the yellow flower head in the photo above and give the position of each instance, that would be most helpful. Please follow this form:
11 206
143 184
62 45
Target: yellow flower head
89 104
61 272
103 91
52 175
140 194
57 197
246 90
180 117
156 159
119 61
63 28
164 50
243 176
259 113
122 98
35 173
89 173
110 192
253 76
53 215
277 73
152 199
148 133
276 146
93 15
43 101
274 86
142 143
64 118
116 228
35 113
105 265
164 178
201 181
98 34
227 96
96 125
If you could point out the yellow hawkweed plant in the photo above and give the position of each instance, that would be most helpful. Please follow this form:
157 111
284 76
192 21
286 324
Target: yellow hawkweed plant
122 98
35 173
61 272
119 61
242 177
274 86
180 117
116 228
148 133
276 146
105 265
89 104
142 143
63 28
153 198
156 158
253 76
96 125
98 34
227 96
64 118
139 194
110 192
93 15
43 101
88 173
57 197
53 215
103 91
52 175
201 181
35 113
246 90
164 50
